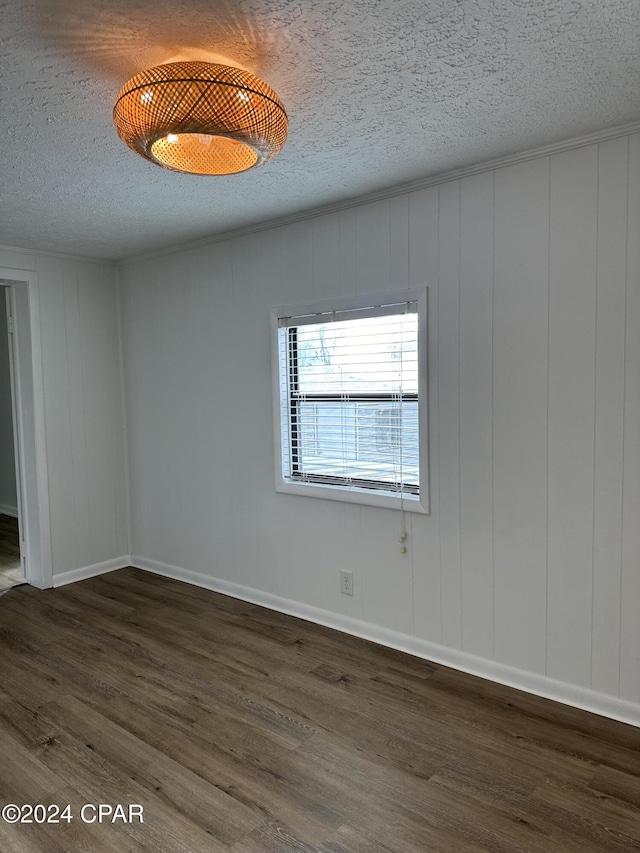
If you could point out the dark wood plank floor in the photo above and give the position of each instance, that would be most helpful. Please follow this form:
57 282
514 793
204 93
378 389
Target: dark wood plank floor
239 729
9 543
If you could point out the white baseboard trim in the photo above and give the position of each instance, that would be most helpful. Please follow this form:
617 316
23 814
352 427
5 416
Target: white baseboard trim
539 685
91 571
5 509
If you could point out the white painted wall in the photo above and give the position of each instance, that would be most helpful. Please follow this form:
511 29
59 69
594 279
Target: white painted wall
8 499
83 409
529 560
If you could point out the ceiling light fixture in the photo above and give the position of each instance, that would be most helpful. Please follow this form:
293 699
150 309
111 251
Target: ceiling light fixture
201 118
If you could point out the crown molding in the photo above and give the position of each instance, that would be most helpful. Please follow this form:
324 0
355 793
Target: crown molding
400 189
63 256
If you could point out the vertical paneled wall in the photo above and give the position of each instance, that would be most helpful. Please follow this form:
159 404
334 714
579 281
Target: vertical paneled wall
530 555
83 408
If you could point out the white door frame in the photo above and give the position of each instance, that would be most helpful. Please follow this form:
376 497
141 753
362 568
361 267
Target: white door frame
30 437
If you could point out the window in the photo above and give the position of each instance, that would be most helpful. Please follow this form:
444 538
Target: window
350 400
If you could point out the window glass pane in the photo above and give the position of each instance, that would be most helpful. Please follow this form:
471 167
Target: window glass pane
370 441
370 354
349 406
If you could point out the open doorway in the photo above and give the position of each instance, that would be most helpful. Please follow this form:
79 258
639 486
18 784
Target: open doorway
11 562
25 537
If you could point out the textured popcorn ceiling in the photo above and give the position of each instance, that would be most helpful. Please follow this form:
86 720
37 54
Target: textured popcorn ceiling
378 92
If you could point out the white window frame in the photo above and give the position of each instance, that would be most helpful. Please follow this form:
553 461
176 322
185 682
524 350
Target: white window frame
392 500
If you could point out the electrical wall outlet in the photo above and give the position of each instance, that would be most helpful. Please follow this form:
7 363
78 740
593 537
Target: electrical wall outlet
346 583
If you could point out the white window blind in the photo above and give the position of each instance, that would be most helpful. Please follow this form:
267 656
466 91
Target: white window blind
349 399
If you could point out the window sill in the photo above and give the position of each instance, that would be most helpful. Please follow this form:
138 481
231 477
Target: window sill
366 497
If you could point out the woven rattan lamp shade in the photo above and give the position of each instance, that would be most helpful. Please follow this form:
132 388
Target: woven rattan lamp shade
201 118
